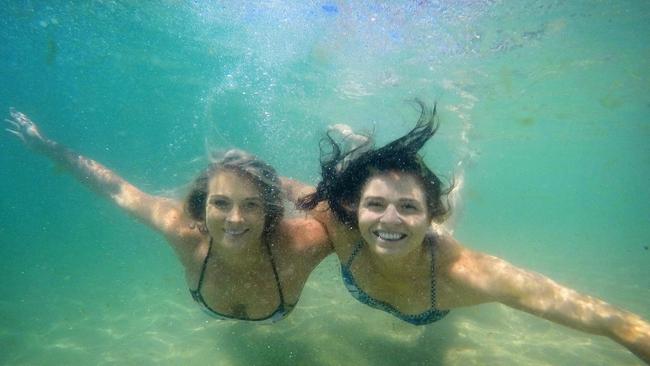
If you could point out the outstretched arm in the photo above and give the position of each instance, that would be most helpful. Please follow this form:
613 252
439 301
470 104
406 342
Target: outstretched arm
482 278
160 213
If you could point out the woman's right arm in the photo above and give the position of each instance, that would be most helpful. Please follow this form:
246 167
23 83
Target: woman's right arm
160 213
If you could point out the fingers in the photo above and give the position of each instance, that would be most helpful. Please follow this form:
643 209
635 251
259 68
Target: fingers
19 117
20 135
13 123
19 122
15 114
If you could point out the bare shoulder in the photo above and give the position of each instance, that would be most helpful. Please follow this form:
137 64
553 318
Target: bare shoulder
340 236
468 277
454 261
164 214
457 260
183 232
173 220
323 214
304 235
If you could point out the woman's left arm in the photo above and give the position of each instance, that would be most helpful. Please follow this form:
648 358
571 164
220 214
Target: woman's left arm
486 278
310 239
294 189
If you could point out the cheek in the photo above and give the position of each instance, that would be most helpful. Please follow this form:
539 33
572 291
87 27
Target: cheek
421 223
365 221
257 219
215 218
212 219
364 217
212 213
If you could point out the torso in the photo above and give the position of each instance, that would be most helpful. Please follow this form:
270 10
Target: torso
299 246
409 295
460 273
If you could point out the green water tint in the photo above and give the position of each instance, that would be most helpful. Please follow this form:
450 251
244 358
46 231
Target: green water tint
544 103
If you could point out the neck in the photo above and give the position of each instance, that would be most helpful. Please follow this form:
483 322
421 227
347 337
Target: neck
241 259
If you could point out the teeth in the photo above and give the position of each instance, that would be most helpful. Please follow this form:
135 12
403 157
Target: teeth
235 232
385 235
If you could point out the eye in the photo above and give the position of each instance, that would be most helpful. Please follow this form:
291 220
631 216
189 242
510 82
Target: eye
220 203
251 205
409 207
374 204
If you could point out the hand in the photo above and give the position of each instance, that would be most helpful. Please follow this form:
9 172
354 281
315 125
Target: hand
353 143
25 129
345 132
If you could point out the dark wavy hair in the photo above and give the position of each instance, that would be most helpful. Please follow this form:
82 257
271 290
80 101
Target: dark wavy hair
344 173
249 166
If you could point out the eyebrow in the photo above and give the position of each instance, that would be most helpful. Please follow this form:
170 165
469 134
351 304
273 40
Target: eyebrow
252 198
413 202
374 198
409 199
384 198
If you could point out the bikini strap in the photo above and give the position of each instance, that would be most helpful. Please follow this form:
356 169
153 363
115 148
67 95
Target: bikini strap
355 251
205 263
275 273
431 243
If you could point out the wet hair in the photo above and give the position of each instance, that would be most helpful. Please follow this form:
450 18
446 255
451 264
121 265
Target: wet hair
345 173
247 166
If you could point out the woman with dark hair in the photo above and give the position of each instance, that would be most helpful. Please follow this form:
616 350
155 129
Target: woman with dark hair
242 259
380 205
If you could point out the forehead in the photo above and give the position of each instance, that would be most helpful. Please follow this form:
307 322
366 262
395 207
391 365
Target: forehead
230 183
394 185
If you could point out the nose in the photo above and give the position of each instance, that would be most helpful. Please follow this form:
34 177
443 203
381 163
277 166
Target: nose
390 216
234 215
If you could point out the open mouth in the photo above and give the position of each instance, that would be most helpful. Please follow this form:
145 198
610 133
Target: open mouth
235 232
389 236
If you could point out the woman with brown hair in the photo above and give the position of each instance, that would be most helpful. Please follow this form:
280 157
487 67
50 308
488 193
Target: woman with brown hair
242 259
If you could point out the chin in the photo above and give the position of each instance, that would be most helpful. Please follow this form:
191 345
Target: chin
388 249
236 244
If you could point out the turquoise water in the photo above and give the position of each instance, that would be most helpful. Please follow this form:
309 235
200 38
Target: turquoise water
544 103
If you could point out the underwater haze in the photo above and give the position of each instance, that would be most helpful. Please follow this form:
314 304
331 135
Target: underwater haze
543 109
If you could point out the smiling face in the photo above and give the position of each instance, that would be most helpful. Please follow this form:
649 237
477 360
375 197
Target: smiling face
234 211
392 214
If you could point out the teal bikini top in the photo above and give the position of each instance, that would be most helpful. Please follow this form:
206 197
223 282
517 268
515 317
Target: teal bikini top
427 317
